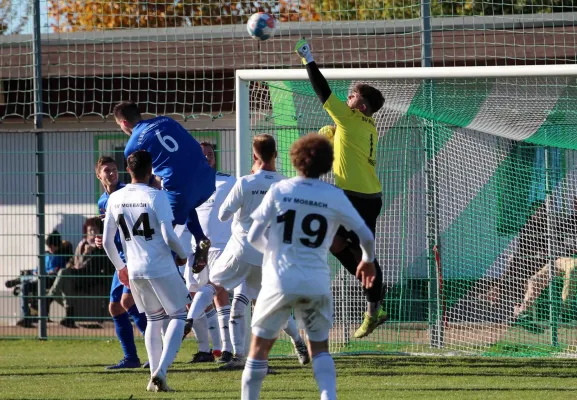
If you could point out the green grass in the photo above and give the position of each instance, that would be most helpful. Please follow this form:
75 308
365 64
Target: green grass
74 369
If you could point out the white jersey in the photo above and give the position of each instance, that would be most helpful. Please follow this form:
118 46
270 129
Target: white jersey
244 198
217 231
138 211
303 215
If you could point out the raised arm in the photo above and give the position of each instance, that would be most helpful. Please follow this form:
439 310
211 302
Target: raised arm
318 81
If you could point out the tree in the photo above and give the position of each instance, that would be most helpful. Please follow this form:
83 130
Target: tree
90 15
14 16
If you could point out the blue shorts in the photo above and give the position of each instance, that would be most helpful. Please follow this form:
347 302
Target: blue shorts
183 204
117 289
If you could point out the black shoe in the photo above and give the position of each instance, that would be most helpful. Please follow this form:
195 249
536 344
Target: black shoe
187 328
225 357
201 256
201 357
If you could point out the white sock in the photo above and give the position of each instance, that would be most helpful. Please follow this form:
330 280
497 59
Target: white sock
223 319
325 375
200 328
153 339
165 323
237 323
254 373
172 341
202 299
292 330
213 329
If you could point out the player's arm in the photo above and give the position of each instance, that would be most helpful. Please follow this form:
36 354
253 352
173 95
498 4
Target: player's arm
108 241
165 217
336 108
232 203
262 218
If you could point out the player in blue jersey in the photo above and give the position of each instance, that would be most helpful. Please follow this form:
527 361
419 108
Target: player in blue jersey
121 302
178 162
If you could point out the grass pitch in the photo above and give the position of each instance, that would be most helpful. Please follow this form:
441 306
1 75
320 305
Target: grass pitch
74 369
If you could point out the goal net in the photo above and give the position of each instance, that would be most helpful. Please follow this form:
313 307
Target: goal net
478 228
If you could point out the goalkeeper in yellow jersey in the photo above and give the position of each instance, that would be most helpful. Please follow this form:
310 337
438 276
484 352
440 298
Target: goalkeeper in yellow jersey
355 141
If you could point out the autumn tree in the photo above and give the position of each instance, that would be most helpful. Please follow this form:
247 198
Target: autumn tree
90 15
14 16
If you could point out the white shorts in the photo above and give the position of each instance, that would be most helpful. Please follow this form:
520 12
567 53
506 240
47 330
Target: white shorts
229 272
314 314
167 292
195 281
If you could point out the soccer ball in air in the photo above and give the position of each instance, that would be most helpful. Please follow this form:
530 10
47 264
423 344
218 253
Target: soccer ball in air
261 26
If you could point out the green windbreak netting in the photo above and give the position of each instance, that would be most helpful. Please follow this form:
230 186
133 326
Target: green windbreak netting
486 166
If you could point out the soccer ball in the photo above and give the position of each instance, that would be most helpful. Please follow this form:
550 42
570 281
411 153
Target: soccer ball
261 26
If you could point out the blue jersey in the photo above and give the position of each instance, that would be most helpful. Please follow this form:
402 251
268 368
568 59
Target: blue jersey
55 262
176 156
102 203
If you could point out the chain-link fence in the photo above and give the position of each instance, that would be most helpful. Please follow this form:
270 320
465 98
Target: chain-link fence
48 184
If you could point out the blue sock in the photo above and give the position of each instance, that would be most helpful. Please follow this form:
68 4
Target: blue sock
138 318
193 225
125 335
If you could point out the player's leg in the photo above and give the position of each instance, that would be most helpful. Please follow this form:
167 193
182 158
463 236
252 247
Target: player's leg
174 296
256 367
243 293
299 344
237 329
535 286
123 327
127 302
204 187
222 303
194 283
370 209
317 318
214 331
270 313
211 314
146 298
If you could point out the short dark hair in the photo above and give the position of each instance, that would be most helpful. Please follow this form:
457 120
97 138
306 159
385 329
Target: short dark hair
127 110
312 155
208 144
371 95
54 239
264 146
103 161
139 164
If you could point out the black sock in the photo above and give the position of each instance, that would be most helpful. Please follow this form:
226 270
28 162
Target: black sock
348 260
375 293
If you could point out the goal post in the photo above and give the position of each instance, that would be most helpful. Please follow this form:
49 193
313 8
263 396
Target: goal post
479 173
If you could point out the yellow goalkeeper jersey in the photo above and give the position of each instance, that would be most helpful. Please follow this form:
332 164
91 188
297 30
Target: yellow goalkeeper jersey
355 147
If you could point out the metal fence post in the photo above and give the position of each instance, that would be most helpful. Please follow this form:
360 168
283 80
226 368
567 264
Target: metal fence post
40 176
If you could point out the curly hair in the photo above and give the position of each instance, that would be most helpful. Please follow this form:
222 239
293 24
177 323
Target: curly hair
312 155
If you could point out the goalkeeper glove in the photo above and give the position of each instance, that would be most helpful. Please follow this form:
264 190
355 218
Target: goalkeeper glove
303 49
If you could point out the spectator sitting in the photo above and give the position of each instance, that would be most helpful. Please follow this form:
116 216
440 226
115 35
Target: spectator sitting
58 253
65 284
